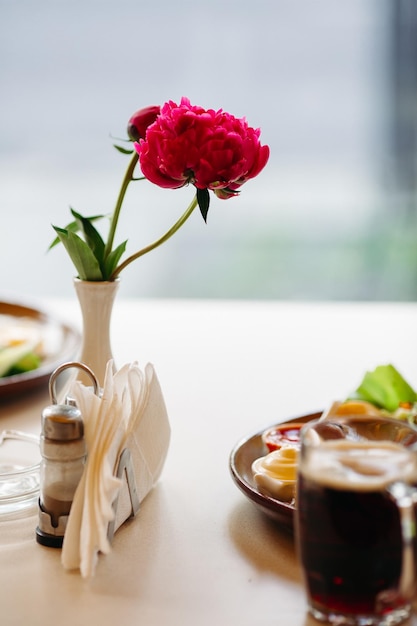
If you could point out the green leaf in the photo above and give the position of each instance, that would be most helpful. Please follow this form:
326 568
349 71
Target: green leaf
386 388
203 199
74 227
113 259
92 236
81 255
123 150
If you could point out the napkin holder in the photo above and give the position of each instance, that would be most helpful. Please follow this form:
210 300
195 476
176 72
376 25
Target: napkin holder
127 433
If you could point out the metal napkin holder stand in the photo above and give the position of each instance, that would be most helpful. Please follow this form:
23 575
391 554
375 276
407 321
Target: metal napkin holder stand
124 465
124 468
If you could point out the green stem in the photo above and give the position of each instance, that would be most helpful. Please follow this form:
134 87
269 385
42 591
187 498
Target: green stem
184 217
128 177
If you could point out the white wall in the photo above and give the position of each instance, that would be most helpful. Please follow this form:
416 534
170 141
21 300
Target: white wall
312 75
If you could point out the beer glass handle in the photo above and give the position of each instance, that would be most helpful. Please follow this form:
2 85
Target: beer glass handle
404 497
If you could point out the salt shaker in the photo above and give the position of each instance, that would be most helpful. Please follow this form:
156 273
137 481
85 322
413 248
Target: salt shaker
63 451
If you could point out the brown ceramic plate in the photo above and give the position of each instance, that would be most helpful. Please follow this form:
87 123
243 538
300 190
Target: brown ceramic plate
240 463
60 345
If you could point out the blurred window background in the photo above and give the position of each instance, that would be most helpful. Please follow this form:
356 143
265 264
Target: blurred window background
332 85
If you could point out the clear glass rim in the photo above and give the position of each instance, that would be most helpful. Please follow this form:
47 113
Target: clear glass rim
18 435
360 419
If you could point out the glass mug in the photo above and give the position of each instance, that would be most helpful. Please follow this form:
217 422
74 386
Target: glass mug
355 520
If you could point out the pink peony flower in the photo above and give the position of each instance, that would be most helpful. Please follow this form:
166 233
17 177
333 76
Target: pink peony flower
139 122
175 145
210 149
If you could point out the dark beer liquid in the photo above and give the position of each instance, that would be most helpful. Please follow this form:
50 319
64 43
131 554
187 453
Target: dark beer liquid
351 548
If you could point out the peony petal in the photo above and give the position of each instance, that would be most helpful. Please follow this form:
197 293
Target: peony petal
211 149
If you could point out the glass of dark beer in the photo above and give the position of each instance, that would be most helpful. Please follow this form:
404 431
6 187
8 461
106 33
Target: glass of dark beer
355 520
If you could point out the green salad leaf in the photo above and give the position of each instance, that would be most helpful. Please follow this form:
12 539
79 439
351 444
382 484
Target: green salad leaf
386 388
29 362
13 355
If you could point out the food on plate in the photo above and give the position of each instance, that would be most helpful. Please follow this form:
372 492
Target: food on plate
351 407
275 473
383 392
387 390
281 434
21 345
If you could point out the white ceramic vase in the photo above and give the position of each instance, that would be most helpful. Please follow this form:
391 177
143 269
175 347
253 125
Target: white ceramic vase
96 300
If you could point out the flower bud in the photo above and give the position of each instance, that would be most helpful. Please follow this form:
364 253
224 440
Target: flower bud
139 122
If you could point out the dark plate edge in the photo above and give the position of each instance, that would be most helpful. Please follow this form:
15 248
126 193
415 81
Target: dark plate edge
281 512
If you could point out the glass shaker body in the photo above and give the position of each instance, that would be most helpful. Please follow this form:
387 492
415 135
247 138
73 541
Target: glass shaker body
63 453
61 470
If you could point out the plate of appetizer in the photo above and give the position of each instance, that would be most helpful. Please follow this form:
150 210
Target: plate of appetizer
264 465
32 345
255 471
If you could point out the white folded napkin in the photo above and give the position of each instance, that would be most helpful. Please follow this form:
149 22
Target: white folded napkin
130 413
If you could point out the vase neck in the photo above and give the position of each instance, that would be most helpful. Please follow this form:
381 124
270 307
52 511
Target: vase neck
96 300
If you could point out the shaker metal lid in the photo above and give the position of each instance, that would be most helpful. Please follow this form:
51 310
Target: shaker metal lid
62 422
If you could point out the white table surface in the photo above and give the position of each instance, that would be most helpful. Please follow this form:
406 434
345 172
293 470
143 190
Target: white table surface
199 553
